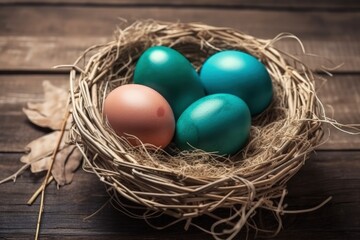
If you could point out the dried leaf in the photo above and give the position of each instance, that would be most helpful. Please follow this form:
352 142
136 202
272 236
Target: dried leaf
66 162
49 113
39 155
41 148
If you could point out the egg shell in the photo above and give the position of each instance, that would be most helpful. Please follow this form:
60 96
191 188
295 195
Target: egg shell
241 74
171 74
140 111
216 123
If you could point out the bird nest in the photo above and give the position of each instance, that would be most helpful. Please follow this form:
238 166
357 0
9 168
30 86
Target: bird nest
188 184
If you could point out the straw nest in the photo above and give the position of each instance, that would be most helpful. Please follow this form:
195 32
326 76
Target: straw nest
188 184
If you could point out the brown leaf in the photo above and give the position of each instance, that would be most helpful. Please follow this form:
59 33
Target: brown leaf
49 113
40 151
65 165
41 148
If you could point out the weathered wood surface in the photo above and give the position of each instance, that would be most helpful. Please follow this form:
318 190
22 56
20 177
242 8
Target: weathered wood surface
30 43
279 4
42 53
36 44
101 21
326 174
37 34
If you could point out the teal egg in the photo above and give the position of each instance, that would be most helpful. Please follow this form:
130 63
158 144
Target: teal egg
216 123
241 74
171 74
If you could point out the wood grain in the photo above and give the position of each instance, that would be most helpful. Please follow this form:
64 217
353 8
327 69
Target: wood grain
41 53
280 4
101 21
15 92
324 174
340 95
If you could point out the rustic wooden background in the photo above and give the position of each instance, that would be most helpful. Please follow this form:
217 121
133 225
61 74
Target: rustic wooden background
38 34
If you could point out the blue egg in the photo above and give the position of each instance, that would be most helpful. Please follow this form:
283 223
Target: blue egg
241 74
171 74
217 123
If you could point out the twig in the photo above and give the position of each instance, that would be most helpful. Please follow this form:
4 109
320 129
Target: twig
36 194
47 178
97 211
14 176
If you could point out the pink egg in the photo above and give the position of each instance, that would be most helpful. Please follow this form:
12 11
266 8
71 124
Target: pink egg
137 110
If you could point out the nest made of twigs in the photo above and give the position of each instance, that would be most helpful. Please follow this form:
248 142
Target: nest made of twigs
188 184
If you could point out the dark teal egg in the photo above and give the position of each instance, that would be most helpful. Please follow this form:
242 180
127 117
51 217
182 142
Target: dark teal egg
171 74
241 74
216 123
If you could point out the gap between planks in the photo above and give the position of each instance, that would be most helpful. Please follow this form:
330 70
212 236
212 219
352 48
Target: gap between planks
102 21
304 5
26 53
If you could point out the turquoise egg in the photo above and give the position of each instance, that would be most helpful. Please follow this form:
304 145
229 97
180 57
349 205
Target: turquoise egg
241 74
217 123
171 74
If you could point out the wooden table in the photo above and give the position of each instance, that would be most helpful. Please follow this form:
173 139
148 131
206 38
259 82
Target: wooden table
38 34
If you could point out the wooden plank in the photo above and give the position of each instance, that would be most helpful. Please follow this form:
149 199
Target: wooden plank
340 92
101 21
42 53
15 92
304 4
325 174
